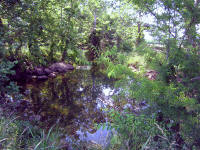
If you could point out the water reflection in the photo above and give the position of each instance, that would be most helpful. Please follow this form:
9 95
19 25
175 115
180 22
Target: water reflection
73 100
101 137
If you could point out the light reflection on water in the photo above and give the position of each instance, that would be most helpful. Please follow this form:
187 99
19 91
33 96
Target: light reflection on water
100 137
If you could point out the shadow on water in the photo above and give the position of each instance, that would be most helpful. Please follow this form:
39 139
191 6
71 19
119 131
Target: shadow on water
73 100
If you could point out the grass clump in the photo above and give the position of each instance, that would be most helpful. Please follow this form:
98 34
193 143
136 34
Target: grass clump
16 134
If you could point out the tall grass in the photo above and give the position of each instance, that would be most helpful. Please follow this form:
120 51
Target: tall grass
17 134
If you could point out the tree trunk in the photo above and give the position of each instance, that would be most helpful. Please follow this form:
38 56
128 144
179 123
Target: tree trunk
51 58
1 23
64 55
138 40
18 48
118 42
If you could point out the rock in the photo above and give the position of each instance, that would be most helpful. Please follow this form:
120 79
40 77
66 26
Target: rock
34 77
29 71
61 67
84 67
52 75
44 77
41 73
38 71
48 71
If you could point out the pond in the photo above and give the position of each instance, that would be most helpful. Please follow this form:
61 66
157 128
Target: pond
75 101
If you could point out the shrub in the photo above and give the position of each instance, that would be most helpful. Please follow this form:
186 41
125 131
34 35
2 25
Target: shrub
7 87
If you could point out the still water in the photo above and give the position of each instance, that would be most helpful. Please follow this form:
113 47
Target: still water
75 101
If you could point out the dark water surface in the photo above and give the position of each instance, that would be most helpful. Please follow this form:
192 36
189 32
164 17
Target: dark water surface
74 100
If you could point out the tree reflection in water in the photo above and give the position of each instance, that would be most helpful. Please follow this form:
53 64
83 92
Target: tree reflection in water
71 100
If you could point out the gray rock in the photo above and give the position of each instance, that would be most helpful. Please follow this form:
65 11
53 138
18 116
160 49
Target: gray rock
48 71
61 67
44 77
34 77
38 71
52 75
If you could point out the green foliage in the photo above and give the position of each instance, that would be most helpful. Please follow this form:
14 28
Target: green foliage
172 98
16 134
6 85
47 31
127 46
34 25
131 131
152 59
81 59
115 63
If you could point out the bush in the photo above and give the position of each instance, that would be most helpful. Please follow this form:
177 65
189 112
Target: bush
134 132
6 86
131 131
